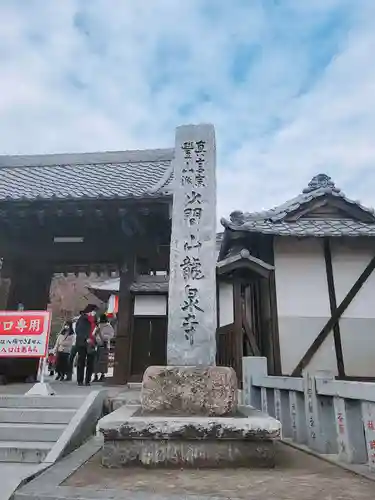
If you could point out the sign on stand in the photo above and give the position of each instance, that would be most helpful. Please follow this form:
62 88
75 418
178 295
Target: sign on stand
25 334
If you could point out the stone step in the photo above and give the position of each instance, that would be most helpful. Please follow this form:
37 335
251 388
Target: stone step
29 452
135 386
36 415
126 398
63 402
31 432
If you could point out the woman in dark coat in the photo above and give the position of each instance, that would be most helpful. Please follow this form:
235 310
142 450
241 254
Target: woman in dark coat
85 344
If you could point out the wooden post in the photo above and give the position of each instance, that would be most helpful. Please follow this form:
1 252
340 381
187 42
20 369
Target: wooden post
333 307
275 326
5 274
237 328
122 363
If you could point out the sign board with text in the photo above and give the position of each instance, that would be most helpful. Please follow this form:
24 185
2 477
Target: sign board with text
24 334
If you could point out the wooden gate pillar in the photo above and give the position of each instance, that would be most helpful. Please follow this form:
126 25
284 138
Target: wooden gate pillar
4 284
122 362
29 285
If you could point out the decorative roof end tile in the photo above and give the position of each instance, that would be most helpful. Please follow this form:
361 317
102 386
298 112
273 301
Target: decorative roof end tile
237 217
321 181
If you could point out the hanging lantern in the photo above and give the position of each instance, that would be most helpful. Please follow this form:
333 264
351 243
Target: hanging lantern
112 307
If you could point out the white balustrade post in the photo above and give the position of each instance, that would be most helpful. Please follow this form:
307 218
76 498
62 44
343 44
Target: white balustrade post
349 428
345 451
264 400
253 366
368 415
297 417
321 431
281 398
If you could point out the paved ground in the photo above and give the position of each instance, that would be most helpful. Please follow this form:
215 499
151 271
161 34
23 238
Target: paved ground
11 474
298 476
59 387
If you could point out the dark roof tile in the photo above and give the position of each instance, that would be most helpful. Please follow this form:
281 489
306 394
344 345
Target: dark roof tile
125 174
310 227
272 221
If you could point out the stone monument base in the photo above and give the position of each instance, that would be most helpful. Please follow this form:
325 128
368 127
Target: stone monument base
189 390
189 417
244 440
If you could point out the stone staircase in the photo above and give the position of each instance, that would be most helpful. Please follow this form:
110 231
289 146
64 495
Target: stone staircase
31 425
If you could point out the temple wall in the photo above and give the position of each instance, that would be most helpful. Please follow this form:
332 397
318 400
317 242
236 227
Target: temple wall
357 325
303 304
226 305
150 305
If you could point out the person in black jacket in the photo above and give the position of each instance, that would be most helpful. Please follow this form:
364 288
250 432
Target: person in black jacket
85 344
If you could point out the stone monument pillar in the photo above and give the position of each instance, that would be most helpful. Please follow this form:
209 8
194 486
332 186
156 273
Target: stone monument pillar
191 383
192 284
188 416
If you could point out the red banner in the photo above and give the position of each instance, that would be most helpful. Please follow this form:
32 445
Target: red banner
24 333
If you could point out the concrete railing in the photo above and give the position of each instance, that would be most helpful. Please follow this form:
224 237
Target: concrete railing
328 416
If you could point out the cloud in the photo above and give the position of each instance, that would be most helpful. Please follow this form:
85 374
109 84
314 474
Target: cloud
289 85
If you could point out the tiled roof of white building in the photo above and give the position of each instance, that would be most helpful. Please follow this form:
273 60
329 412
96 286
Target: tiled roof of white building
274 221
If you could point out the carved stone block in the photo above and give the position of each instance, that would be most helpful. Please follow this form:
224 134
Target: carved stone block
189 390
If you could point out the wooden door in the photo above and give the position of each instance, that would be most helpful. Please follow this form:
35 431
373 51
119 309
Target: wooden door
149 346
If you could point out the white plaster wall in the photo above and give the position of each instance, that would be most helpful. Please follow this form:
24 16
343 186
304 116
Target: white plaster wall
302 302
357 326
301 283
150 305
349 260
226 305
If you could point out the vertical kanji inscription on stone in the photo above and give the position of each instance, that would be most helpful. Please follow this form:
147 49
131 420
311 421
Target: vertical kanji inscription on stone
192 283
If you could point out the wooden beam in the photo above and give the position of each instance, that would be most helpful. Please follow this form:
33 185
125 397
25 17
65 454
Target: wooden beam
334 318
217 319
122 363
268 253
225 329
333 307
237 330
356 379
351 210
250 336
245 265
274 326
65 253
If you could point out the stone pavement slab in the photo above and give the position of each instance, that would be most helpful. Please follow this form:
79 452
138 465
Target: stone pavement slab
297 476
11 475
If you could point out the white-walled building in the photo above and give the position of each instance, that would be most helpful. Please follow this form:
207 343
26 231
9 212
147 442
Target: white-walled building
300 283
295 284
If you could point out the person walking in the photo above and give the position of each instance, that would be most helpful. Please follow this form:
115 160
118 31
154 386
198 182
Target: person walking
62 350
85 344
103 335
73 352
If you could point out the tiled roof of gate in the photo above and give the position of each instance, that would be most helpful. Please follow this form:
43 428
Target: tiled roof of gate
144 284
273 221
127 174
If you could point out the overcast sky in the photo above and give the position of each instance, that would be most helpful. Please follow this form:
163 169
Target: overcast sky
288 84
